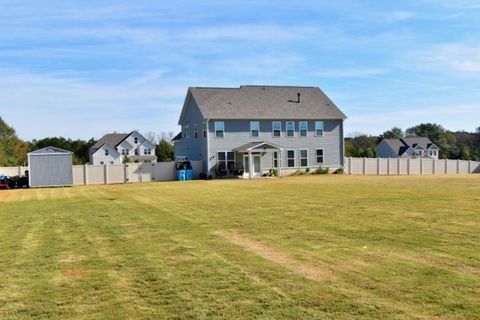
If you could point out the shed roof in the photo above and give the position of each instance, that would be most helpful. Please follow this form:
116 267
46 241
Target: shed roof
264 102
49 150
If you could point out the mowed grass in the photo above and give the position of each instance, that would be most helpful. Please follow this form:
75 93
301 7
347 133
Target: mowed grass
339 247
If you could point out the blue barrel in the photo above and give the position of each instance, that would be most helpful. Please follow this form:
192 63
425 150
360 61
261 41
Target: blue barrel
189 175
181 175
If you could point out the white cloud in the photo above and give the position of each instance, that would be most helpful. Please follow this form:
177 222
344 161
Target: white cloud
451 57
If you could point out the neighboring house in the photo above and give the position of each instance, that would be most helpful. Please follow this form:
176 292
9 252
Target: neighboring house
114 147
411 147
251 129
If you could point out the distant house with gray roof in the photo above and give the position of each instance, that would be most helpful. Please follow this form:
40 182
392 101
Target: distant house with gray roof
410 147
252 129
112 148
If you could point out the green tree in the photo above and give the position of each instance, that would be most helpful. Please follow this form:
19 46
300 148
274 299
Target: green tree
13 151
394 133
164 151
432 131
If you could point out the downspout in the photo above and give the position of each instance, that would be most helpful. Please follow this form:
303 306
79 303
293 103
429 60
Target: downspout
207 171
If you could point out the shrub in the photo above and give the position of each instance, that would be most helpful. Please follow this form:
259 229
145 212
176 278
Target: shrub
273 173
299 173
321 170
340 170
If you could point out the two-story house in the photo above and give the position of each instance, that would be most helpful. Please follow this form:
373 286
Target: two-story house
112 148
410 147
251 129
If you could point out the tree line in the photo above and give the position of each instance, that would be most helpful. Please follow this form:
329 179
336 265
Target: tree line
13 150
453 145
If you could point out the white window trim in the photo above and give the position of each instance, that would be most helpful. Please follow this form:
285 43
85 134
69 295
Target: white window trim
215 129
323 128
300 129
187 132
286 129
195 131
251 130
273 129
294 158
323 156
226 157
300 157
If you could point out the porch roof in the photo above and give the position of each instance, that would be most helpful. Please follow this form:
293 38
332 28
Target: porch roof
251 146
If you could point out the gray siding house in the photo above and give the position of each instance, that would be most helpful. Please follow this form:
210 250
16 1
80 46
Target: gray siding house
112 148
248 130
410 147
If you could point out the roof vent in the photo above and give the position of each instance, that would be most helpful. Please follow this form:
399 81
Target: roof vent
296 101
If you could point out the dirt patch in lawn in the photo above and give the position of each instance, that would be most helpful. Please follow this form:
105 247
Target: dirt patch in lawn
75 273
278 257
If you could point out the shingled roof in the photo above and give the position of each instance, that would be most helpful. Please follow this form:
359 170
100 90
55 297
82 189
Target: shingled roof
112 140
400 146
263 102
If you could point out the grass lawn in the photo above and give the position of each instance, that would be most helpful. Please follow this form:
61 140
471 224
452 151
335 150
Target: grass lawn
338 247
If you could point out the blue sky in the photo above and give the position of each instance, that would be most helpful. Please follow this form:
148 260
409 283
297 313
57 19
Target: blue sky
84 68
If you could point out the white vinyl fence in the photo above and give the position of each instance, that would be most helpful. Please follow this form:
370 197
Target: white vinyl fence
402 166
123 173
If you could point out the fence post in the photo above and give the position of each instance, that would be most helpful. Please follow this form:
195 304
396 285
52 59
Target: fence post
125 173
350 165
398 166
364 166
421 166
408 166
458 166
388 166
378 166
19 170
85 174
105 173
446 166
469 166
434 166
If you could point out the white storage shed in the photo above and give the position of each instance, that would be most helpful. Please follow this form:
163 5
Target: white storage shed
50 167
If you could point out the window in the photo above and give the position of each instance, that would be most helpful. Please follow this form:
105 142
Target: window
291 158
318 128
290 129
101 162
276 128
135 140
275 159
204 129
187 131
227 158
125 152
219 129
106 152
254 129
319 156
303 128
136 152
304 158
195 131
147 151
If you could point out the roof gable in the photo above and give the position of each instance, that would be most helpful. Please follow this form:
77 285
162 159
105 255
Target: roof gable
50 150
263 102
112 140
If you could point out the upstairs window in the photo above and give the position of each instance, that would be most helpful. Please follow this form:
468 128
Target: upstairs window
187 131
290 128
254 129
319 156
303 128
204 129
219 129
125 152
135 140
106 152
136 152
318 128
195 131
276 128
147 151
